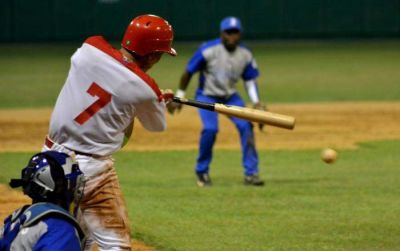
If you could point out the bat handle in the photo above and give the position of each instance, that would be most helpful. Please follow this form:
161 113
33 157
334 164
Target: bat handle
177 100
199 104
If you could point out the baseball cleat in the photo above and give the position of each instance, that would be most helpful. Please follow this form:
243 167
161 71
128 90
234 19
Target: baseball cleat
253 180
203 180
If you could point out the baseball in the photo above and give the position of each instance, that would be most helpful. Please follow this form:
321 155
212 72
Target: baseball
328 155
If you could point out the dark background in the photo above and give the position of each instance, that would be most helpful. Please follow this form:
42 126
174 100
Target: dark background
74 20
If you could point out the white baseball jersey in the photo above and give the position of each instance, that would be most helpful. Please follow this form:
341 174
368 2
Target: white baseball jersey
100 98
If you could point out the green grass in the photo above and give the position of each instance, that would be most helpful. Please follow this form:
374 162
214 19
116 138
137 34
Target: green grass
32 75
305 205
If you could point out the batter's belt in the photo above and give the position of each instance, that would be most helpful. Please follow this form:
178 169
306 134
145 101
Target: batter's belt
49 143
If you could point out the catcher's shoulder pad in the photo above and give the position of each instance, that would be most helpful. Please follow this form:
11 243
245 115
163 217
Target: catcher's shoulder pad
40 211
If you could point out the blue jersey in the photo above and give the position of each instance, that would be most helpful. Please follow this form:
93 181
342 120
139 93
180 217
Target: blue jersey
40 227
220 69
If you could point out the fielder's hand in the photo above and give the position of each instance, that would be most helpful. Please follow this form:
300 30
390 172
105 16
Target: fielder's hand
263 107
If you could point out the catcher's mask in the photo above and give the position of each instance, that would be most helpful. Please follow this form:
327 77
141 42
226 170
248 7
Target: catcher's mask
49 177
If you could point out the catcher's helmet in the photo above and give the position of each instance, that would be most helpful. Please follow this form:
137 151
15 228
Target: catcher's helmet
149 33
50 176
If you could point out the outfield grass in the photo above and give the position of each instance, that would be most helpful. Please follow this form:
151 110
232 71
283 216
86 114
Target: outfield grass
32 75
305 205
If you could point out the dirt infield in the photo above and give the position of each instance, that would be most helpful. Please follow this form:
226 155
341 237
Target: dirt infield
336 125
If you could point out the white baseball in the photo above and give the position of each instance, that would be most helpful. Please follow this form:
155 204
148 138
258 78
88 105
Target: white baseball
329 155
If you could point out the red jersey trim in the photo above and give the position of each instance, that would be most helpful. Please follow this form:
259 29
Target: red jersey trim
100 43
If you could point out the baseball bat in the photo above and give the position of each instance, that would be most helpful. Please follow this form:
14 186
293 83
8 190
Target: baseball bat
263 117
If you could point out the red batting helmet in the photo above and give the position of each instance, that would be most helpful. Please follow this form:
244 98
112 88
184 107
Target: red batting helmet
149 33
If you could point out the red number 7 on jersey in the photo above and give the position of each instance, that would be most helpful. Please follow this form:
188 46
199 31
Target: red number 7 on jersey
104 99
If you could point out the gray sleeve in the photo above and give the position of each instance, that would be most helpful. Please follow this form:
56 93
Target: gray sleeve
27 237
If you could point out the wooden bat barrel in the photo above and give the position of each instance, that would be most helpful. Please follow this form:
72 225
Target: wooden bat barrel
258 116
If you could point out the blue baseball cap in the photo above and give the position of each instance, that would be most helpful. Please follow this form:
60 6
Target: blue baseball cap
229 23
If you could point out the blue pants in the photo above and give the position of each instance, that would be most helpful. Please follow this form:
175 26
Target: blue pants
210 130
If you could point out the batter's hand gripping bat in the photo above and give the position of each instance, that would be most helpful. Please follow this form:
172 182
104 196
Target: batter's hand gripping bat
246 113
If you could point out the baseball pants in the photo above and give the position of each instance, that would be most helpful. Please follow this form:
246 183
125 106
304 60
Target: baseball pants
102 210
210 130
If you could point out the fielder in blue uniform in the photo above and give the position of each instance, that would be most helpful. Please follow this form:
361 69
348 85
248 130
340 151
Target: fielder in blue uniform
50 179
222 63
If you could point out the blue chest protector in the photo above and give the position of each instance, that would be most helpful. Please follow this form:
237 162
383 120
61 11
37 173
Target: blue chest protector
28 216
